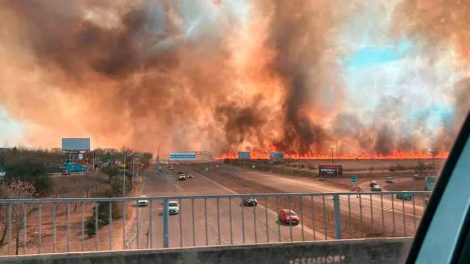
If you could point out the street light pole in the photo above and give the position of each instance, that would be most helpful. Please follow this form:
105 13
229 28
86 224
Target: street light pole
133 170
332 156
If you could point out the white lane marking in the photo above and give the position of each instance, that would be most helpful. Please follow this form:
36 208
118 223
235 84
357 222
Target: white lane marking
220 185
306 228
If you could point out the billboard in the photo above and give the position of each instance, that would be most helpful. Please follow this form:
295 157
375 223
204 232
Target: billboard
330 170
276 156
190 155
244 155
75 144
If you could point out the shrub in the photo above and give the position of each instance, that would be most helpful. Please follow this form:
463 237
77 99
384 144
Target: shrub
29 170
111 171
103 216
117 184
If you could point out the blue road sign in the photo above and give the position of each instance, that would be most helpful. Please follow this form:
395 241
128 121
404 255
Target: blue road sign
353 179
183 155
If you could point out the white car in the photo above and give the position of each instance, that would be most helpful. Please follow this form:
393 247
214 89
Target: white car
143 202
173 207
181 177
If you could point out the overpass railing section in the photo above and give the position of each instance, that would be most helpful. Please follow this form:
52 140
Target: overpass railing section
35 226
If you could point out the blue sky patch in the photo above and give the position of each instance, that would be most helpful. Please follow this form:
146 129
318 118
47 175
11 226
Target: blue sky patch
376 55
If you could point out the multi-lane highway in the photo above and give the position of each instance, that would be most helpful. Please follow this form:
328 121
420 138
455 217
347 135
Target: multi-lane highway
225 221
208 221
375 215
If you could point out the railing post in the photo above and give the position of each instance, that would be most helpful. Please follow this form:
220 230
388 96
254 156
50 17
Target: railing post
337 216
165 223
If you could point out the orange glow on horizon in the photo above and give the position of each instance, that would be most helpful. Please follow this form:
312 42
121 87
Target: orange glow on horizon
395 155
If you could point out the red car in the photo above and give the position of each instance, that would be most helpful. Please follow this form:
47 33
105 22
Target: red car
289 217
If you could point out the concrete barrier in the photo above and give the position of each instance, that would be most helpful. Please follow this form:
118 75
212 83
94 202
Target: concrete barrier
364 251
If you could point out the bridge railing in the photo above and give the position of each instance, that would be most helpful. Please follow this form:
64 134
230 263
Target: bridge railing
35 226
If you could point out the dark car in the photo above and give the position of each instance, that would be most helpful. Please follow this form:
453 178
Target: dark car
249 201
376 188
289 217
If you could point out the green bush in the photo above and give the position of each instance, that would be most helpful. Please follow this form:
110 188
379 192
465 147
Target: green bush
117 184
30 170
103 216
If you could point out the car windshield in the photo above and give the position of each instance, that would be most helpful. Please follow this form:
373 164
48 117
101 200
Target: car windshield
332 109
290 213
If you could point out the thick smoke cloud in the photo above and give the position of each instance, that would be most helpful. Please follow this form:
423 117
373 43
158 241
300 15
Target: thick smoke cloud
300 37
441 25
211 75
134 68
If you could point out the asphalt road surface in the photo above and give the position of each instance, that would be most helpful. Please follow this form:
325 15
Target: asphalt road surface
204 222
375 215
224 221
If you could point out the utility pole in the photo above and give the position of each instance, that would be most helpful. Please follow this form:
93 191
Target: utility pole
433 153
299 156
332 162
133 170
336 150
124 174
332 156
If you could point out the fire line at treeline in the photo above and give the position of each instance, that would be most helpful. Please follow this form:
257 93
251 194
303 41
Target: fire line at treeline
396 155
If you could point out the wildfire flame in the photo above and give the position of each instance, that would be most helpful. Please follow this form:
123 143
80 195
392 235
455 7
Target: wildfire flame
395 155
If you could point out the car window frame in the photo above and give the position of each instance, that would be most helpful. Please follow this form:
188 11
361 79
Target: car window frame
462 142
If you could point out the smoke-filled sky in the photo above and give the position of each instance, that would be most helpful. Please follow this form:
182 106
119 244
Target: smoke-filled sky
373 77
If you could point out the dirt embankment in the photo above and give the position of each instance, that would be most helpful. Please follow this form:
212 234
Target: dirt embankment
69 218
358 168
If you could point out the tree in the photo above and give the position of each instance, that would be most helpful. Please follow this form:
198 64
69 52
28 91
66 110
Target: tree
117 184
146 157
15 190
111 171
29 170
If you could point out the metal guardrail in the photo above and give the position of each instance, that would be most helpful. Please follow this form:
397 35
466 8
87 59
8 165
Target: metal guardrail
35 226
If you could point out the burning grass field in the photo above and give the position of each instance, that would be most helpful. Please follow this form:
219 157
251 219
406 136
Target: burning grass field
351 167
